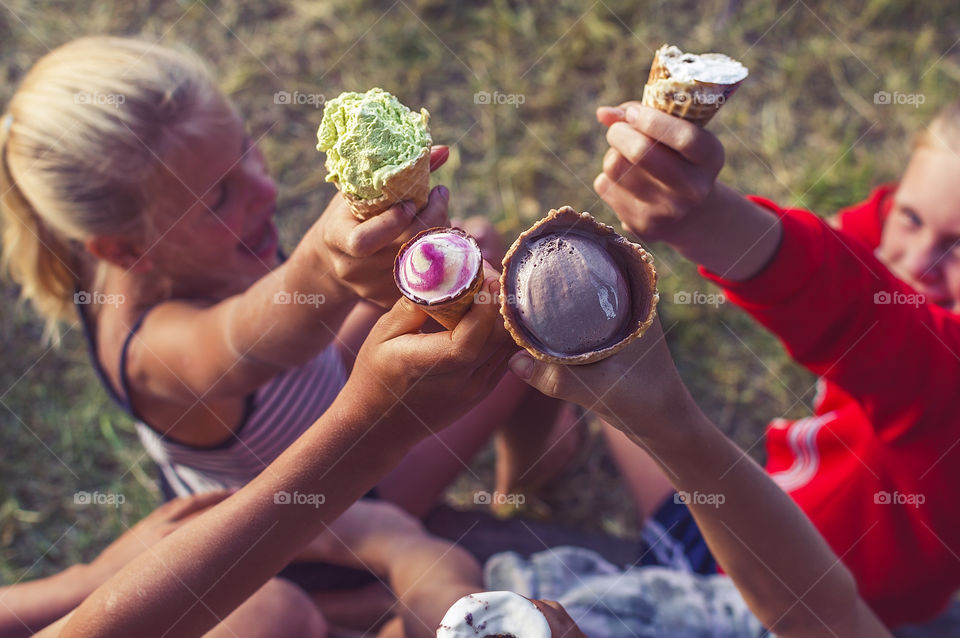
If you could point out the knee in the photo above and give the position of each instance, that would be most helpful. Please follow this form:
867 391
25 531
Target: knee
295 612
277 610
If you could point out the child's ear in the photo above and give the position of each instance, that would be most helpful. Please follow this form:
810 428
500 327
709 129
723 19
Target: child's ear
119 251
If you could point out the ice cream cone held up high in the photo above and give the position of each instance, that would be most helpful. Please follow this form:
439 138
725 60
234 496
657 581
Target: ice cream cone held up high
691 86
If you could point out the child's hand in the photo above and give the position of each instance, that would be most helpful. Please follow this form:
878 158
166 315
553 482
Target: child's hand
636 390
658 172
561 624
361 254
425 381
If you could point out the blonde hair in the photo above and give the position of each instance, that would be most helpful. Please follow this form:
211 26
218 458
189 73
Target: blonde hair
81 149
944 131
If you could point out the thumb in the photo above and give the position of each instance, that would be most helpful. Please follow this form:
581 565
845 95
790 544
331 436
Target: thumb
404 318
549 378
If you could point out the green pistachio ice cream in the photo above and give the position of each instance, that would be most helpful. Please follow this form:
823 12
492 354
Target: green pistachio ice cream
369 137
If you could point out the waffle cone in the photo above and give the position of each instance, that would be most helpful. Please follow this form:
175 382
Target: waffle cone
412 183
638 265
692 100
447 312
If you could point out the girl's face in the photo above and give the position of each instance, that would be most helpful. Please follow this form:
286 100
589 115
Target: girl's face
921 235
214 229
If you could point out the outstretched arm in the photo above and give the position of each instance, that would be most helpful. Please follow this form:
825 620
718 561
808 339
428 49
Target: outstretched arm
228 349
837 309
788 575
403 388
25 608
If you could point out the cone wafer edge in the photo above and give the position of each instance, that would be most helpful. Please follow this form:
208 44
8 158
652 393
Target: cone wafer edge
691 100
411 183
643 287
447 312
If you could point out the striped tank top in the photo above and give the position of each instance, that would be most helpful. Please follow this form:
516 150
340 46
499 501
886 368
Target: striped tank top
276 414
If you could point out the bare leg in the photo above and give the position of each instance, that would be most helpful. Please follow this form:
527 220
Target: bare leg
427 574
532 443
393 629
536 443
647 482
417 483
362 608
277 609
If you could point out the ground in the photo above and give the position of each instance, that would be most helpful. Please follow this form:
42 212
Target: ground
512 88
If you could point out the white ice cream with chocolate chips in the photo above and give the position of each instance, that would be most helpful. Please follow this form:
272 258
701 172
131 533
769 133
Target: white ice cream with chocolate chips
715 68
494 613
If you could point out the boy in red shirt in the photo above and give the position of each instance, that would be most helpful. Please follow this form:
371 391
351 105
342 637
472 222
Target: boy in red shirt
869 306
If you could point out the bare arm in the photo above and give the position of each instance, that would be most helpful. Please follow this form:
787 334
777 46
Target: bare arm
25 608
659 176
200 573
227 350
426 573
787 574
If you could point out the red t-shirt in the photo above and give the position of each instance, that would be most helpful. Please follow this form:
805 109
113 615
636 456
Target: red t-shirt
876 466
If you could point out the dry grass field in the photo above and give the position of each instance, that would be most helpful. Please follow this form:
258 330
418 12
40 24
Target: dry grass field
805 129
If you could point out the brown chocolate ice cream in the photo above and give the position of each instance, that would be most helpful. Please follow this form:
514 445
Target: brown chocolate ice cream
574 291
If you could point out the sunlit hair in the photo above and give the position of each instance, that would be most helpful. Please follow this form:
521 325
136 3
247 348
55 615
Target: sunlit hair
944 131
83 142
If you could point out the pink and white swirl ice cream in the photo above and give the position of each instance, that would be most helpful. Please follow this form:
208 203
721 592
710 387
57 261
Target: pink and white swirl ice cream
441 269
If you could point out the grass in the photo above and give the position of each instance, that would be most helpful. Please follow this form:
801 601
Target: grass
804 130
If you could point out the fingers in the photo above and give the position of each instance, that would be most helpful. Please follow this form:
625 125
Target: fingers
396 224
369 236
549 378
470 337
607 115
489 373
561 624
654 161
626 204
181 508
697 145
438 156
404 318
469 344
433 214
